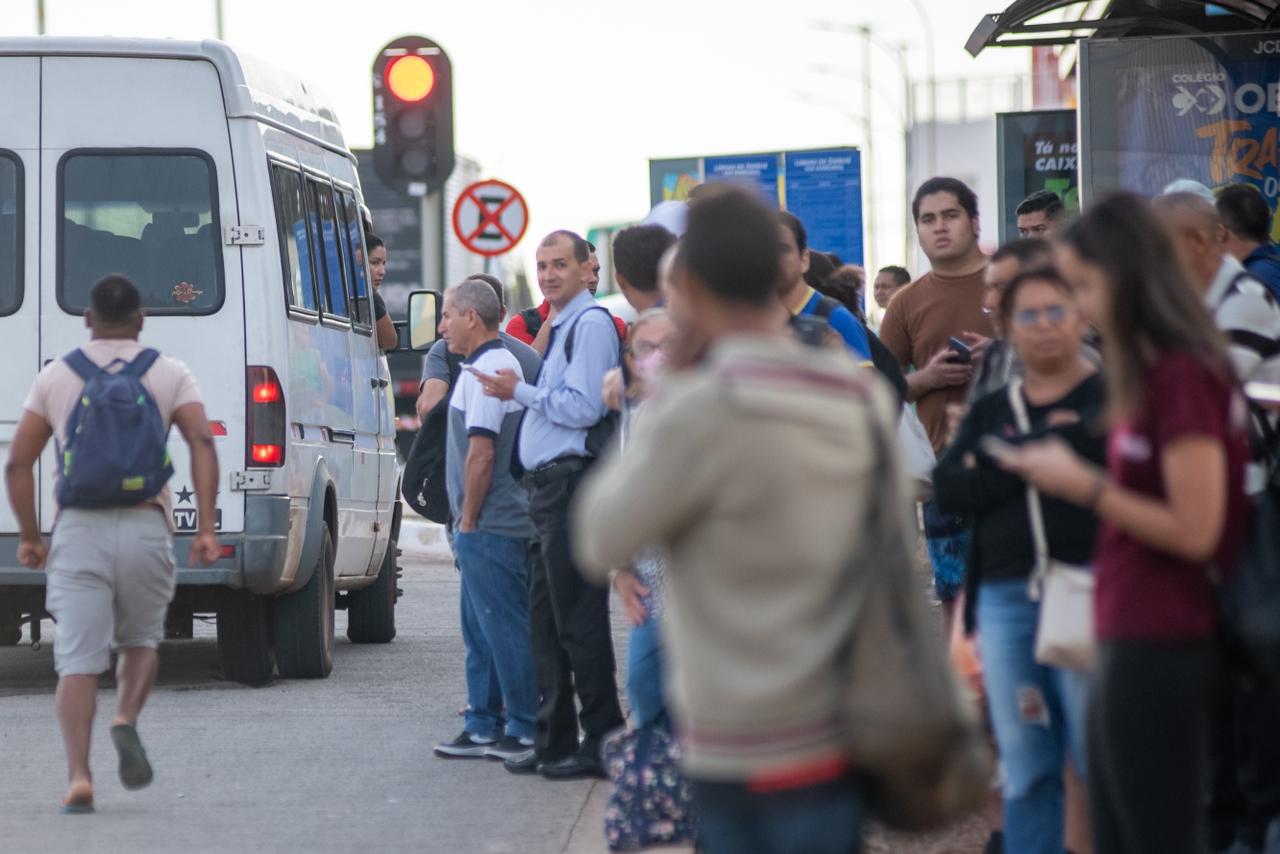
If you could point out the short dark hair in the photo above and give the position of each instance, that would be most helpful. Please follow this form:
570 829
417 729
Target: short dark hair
493 282
114 300
793 222
1027 251
1041 200
636 253
372 241
731 244
1047 275
966 197
1245 212
901 275
581 248
820 269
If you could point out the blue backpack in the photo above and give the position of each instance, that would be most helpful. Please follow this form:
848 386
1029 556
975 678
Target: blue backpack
116 452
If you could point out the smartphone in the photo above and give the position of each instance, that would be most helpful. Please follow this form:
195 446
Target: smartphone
997 448
964 355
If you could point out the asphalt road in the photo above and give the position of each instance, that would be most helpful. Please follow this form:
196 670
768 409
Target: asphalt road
338 765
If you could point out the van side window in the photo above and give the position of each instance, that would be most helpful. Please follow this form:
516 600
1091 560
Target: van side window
335 292
11 232
353 253
295 252
150 215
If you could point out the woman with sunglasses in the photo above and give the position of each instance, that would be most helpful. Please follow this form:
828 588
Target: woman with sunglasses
1173 508
1037 711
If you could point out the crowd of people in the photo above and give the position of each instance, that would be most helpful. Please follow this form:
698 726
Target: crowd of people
1080 389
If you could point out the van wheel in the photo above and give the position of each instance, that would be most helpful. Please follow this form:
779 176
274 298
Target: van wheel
244 637
304 622
371 611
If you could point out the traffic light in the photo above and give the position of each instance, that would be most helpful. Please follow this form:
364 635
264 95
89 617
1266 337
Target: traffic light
413 115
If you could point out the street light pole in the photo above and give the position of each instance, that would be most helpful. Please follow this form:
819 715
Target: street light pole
40 17
932 72
868 160
217 12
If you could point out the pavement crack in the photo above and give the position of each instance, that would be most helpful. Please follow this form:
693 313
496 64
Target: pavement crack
573 830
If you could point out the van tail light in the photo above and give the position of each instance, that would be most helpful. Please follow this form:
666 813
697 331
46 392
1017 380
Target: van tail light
264 418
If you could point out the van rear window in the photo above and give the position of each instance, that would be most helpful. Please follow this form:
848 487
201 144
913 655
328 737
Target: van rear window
11 216
149 215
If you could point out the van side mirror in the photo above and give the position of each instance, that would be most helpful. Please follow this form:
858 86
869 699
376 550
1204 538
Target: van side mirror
423 320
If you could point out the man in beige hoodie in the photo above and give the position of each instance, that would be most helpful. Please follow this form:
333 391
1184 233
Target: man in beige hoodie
756 468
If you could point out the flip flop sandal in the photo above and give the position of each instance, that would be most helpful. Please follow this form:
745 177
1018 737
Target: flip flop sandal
78 804
135 770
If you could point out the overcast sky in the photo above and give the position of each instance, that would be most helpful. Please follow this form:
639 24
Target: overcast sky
568 99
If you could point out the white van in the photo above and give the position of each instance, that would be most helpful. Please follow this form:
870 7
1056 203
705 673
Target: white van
225 190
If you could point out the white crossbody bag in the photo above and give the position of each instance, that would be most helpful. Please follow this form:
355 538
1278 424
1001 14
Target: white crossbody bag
1064 633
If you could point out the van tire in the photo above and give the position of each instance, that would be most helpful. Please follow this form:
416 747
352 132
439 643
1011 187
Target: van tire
304 621
244 637
371 611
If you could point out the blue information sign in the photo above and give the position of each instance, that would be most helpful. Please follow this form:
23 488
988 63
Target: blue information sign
824 190
758 171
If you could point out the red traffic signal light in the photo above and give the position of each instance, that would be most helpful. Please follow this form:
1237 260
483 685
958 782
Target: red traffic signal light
410 78
413 115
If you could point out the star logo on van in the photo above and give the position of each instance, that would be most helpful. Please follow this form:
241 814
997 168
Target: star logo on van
184 495
185 292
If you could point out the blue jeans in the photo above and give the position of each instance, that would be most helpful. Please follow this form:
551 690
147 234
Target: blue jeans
1037 712
823 819
644 674
495 631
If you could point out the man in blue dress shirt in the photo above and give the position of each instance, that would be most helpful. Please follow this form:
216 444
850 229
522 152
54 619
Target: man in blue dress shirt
569 617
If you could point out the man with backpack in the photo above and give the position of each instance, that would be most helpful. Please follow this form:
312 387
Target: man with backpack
558 439
110 567
801 299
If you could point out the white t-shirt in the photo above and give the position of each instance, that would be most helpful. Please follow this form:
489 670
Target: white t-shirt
57 389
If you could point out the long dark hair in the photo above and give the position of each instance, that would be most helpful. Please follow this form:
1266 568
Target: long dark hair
1154 310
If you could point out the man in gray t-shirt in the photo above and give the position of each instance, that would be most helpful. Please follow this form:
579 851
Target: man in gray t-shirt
492 530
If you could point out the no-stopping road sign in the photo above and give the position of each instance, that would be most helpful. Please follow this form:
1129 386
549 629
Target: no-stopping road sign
490 217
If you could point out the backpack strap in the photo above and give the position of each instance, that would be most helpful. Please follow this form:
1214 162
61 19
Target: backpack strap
532 320
82 364
568 342
826 307
141 363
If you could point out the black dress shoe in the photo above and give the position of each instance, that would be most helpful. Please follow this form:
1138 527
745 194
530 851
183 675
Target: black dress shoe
576 767
525 765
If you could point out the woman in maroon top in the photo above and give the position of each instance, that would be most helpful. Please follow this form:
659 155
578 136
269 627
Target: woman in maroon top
1172 505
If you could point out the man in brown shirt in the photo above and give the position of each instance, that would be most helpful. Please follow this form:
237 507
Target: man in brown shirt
942 304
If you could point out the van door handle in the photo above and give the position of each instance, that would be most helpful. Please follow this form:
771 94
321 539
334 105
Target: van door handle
340 437
378 382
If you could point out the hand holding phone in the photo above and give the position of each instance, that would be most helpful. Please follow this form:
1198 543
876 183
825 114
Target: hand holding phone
963 352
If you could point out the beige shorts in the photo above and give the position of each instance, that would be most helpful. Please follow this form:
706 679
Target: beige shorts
110 581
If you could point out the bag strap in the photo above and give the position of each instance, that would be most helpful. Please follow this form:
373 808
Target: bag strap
1035 512
532 320
141 363
568 342
82 364
826 307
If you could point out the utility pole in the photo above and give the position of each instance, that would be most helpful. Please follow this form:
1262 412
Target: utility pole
39 17
868 159
217 12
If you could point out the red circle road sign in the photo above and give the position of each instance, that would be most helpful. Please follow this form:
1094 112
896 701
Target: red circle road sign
490 217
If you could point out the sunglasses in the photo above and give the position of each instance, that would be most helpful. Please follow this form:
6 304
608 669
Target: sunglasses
1054 315
645 348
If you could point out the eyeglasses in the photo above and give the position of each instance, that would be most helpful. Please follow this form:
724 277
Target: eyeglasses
641 349
1054 315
